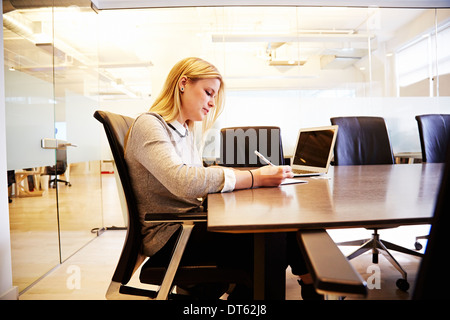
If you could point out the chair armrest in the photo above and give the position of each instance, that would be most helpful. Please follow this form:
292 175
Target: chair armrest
175 217
187 221
332 273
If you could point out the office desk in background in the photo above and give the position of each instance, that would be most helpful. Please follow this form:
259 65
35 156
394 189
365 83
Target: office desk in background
408 157
351 196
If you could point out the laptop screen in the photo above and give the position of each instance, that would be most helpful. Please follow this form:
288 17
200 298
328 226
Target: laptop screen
313 148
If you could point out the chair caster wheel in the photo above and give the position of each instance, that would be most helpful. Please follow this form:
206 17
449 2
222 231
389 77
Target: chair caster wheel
402 284
418 245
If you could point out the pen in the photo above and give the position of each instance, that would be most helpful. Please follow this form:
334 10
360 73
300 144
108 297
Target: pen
263 158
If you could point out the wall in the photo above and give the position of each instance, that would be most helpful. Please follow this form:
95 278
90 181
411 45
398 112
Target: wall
291 112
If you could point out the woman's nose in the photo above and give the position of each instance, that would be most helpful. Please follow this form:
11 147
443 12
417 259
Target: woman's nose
212 102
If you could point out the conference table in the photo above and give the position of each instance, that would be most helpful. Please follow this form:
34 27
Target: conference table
347 197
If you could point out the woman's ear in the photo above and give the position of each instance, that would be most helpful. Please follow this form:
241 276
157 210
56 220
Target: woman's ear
182 83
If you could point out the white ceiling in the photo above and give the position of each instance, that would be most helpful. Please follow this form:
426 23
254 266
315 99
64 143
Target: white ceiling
135 47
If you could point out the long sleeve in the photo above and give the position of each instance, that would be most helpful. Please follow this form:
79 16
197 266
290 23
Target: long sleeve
176 164
167 175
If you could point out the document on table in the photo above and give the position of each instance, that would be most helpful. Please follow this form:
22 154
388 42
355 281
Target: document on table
293 181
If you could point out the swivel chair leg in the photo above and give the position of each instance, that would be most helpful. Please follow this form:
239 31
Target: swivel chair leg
392 246
368 245
353 242
401 283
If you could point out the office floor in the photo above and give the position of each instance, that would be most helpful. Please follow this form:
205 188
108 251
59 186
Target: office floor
87 274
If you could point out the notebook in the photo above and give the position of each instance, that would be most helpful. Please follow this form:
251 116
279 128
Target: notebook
314 151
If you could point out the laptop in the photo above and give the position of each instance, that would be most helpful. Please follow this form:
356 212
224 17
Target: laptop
314 151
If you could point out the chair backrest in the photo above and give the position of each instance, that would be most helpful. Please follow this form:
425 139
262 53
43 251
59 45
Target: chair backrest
434 134
432 281
361 141
237 146
116 127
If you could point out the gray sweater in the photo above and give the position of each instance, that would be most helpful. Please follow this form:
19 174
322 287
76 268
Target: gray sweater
167 175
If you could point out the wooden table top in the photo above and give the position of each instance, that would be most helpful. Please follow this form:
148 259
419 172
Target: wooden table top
349 196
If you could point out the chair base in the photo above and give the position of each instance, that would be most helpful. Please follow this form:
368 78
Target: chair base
381 246
54 181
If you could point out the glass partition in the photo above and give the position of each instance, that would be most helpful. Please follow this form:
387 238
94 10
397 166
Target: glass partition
51 88
29 117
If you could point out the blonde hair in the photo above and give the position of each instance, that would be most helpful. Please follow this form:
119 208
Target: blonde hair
168 103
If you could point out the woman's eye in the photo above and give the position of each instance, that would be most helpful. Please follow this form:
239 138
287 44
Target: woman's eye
208 93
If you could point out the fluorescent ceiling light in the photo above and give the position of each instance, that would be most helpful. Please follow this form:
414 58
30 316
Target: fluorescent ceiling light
320 37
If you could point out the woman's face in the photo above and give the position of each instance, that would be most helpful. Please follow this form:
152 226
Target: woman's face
197 98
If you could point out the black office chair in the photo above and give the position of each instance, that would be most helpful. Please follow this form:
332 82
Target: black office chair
237 146
165 276
362 140
431 280
58 169
434 135
365 141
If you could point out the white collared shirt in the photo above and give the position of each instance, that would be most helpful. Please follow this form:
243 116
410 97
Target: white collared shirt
189 154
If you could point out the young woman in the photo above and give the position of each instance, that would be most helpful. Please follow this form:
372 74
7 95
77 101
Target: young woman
168 176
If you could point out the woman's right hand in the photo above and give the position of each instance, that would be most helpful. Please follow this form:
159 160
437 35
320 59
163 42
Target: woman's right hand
271 176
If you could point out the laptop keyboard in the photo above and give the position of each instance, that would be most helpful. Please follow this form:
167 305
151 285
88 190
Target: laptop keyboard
297 171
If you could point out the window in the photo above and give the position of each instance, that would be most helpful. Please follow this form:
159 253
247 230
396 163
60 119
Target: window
422 63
